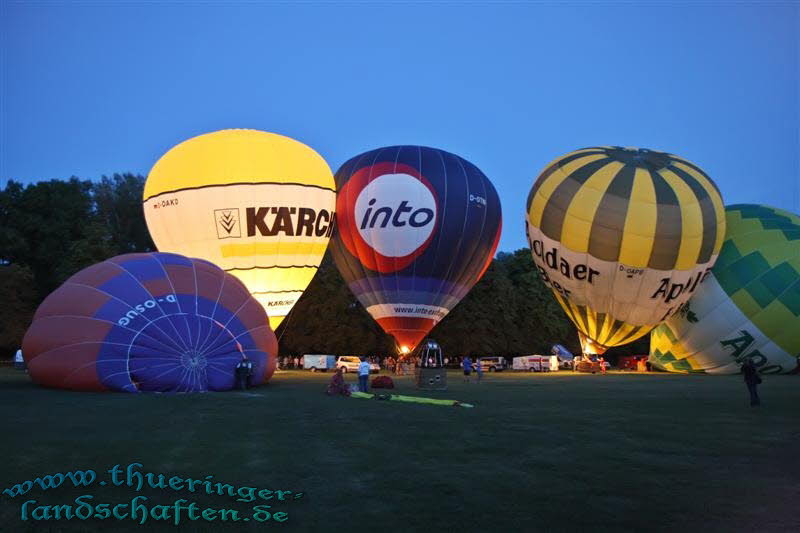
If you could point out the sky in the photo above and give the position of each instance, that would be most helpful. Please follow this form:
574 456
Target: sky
93 88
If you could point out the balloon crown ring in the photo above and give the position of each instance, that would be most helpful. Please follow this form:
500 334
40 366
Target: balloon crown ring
640 157
193 360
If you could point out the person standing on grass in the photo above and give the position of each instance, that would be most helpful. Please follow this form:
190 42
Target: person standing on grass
466 364
752 379
363 375
602 362
19 361
244 369
479 370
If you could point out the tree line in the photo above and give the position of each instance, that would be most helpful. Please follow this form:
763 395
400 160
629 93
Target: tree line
51 229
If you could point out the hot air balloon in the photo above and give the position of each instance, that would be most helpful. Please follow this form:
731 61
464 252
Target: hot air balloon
149 322
622 236
417 228
257 204
748 308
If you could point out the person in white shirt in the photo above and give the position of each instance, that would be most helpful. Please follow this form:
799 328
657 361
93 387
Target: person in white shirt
363 375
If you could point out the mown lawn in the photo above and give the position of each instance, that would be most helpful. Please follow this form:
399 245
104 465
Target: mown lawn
549 452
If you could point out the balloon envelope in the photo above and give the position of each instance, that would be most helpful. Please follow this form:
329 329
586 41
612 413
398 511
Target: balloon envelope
259 205
748 308
623 236
149 322
417 227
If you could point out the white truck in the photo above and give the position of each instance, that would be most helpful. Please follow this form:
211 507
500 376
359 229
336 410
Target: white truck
318 362
536 363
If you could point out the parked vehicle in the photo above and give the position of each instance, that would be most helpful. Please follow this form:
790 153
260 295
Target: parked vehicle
316 362
349 363
492 364
536 363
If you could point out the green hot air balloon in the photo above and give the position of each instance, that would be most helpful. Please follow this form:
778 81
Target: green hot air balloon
749 307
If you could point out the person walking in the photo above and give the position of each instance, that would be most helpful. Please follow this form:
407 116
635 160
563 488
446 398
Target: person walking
752 379
466 364
363 375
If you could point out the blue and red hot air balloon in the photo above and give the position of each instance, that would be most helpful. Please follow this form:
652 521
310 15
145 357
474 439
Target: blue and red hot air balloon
149 322
417 228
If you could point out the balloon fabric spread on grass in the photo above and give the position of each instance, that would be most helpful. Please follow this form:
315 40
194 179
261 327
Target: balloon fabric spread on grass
749 308
623 237
409 399
149 322
416 228
257 204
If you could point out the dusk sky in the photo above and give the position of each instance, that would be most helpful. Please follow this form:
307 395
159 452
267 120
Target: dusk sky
93 88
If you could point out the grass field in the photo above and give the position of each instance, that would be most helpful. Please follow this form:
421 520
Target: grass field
539 452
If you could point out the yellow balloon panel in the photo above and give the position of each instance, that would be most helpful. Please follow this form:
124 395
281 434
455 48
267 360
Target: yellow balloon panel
240 199
237 156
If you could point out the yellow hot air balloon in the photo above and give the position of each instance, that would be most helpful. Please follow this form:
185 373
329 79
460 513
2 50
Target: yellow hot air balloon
259 205
623 237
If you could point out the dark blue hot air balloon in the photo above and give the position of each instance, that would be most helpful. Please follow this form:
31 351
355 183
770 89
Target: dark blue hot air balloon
417 228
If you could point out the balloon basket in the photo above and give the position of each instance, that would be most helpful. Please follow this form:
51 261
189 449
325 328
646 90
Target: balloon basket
431 378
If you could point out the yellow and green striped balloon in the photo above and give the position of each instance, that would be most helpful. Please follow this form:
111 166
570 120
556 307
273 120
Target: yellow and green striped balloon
749 308
623 237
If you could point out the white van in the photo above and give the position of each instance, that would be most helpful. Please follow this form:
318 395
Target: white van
349 363
536 363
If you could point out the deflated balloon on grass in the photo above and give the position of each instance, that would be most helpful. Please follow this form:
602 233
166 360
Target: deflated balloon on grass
149 322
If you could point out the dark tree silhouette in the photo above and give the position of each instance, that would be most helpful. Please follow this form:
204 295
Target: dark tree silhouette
51 229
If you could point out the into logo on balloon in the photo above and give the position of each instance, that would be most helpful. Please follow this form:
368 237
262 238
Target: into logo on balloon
394 210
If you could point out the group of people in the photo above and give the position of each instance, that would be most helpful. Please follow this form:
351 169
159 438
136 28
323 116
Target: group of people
400 365
592 360
337 386
468 367
290 363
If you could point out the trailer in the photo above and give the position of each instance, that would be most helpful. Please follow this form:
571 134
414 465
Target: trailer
536 363
321 363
